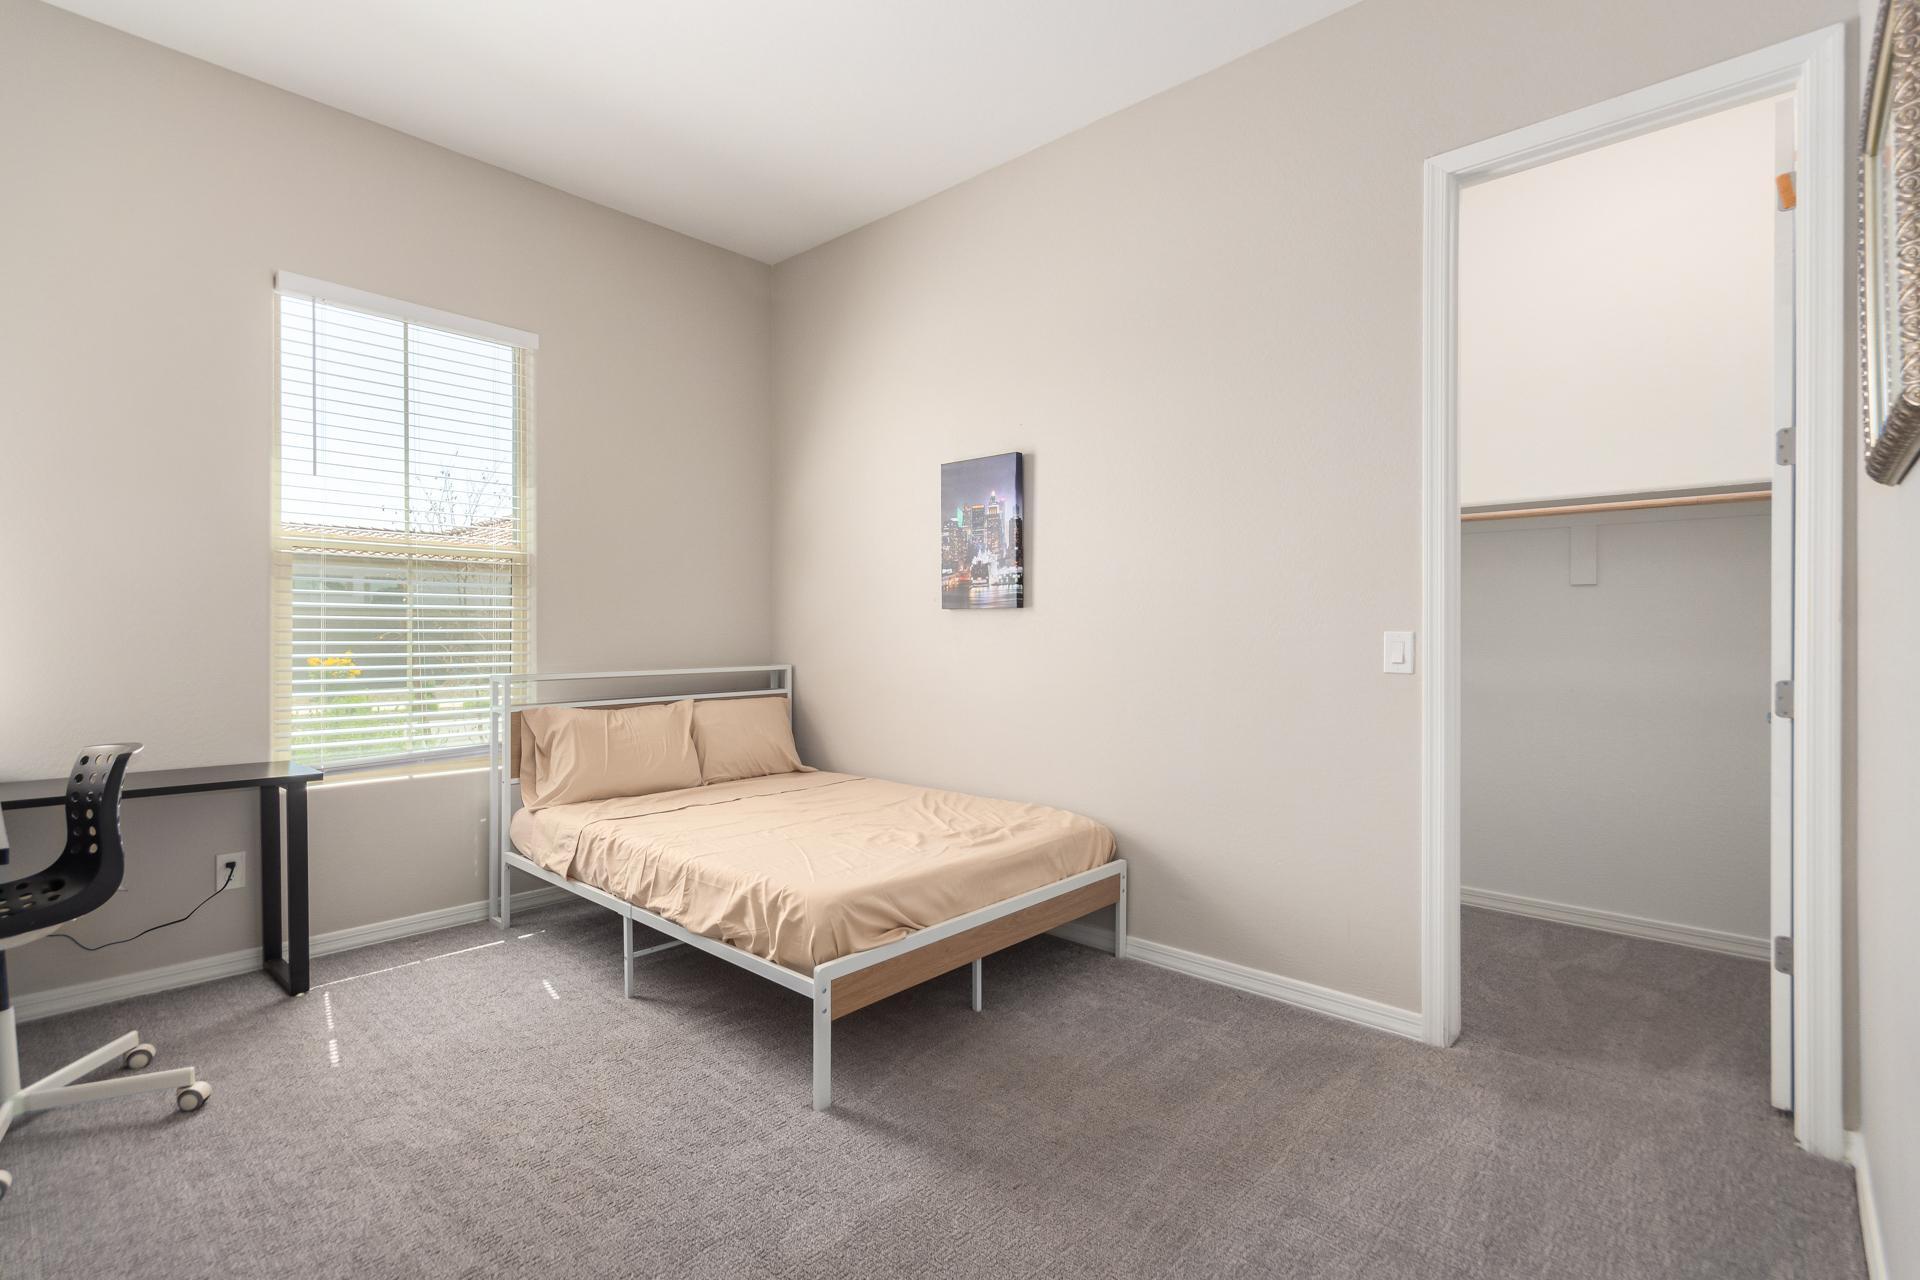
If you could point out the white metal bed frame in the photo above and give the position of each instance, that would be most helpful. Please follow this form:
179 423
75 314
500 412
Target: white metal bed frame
818 986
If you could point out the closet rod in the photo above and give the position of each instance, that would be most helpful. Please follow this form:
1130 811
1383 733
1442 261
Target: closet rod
1629 504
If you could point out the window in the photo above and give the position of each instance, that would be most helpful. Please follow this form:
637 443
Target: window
401 574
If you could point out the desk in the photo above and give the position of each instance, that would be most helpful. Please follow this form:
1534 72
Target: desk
272 781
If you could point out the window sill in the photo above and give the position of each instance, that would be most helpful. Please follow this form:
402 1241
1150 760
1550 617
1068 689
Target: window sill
354 775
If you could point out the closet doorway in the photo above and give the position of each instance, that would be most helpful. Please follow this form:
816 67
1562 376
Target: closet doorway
1634 452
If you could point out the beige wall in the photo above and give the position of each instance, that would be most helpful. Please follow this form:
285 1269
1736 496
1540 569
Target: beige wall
149 200
1653 255
1201 319
1885 680
1886 832
1887 836
1649 684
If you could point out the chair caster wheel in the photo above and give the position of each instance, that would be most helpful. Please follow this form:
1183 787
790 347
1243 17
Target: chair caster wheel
194 1096
139 1057
6 1183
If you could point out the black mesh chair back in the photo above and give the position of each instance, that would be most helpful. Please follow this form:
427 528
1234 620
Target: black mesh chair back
89 869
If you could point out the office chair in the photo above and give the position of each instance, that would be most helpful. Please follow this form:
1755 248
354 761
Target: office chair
86 874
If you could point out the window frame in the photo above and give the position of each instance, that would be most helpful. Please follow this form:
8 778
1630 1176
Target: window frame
284 549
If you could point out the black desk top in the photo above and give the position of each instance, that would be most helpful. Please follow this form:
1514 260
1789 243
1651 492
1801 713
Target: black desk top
168 782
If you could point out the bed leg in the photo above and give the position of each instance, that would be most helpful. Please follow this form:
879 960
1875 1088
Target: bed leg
977 974
823 1047
506 893
1120 921
626 951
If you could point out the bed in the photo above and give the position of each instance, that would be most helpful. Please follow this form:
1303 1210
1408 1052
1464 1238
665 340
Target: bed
840 888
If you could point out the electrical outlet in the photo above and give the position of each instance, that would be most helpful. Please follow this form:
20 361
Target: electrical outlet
238 861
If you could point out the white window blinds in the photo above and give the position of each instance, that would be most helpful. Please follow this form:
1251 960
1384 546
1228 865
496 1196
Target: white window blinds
401 575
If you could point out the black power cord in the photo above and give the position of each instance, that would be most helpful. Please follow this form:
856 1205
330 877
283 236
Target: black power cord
163 925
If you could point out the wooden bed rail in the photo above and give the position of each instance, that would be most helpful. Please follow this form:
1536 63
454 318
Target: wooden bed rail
890 977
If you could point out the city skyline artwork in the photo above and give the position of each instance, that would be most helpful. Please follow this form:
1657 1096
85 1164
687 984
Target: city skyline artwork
982 533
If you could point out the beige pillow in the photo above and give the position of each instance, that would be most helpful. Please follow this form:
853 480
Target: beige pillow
570 754
743 738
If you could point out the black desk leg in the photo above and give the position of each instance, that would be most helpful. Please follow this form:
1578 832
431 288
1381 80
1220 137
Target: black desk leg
297 888
291 971
270 934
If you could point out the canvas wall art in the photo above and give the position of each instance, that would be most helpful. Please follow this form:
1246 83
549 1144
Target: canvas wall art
982 518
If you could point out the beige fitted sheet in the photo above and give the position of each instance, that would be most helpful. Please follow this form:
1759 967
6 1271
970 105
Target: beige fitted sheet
805 868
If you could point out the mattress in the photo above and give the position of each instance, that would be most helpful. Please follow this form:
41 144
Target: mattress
803 868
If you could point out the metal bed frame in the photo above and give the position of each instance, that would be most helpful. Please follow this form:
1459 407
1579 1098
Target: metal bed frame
859 979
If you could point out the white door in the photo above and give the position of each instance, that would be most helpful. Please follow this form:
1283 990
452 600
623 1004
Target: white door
1779 710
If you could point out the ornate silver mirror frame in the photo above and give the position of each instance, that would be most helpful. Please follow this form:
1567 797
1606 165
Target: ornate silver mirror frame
1890 247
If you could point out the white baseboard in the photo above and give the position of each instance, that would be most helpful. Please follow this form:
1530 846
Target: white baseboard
1870 1236
31 1005
189 973
1684 935
366 935
1305 995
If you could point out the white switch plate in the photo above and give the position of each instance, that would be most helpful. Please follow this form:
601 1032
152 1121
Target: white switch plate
1396 652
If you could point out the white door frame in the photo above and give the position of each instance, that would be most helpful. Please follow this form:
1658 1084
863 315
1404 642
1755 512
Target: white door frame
1813 68
1782 610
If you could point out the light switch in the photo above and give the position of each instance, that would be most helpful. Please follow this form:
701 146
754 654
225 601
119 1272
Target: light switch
1396 652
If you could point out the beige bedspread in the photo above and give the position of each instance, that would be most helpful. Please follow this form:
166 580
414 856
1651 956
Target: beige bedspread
802 868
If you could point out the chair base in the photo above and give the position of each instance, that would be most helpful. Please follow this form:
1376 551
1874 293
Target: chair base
57 1088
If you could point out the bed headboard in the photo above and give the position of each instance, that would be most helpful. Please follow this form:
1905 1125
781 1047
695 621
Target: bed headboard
515 694
507 696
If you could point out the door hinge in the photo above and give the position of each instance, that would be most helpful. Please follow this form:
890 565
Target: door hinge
1783 447
1783 699
1783 187
1783 954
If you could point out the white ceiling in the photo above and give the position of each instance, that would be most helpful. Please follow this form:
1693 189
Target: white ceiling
766 126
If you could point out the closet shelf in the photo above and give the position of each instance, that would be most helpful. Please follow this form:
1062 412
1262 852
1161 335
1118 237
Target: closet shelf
1623 504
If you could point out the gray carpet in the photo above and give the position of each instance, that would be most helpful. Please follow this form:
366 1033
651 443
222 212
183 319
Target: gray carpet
1604 1115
